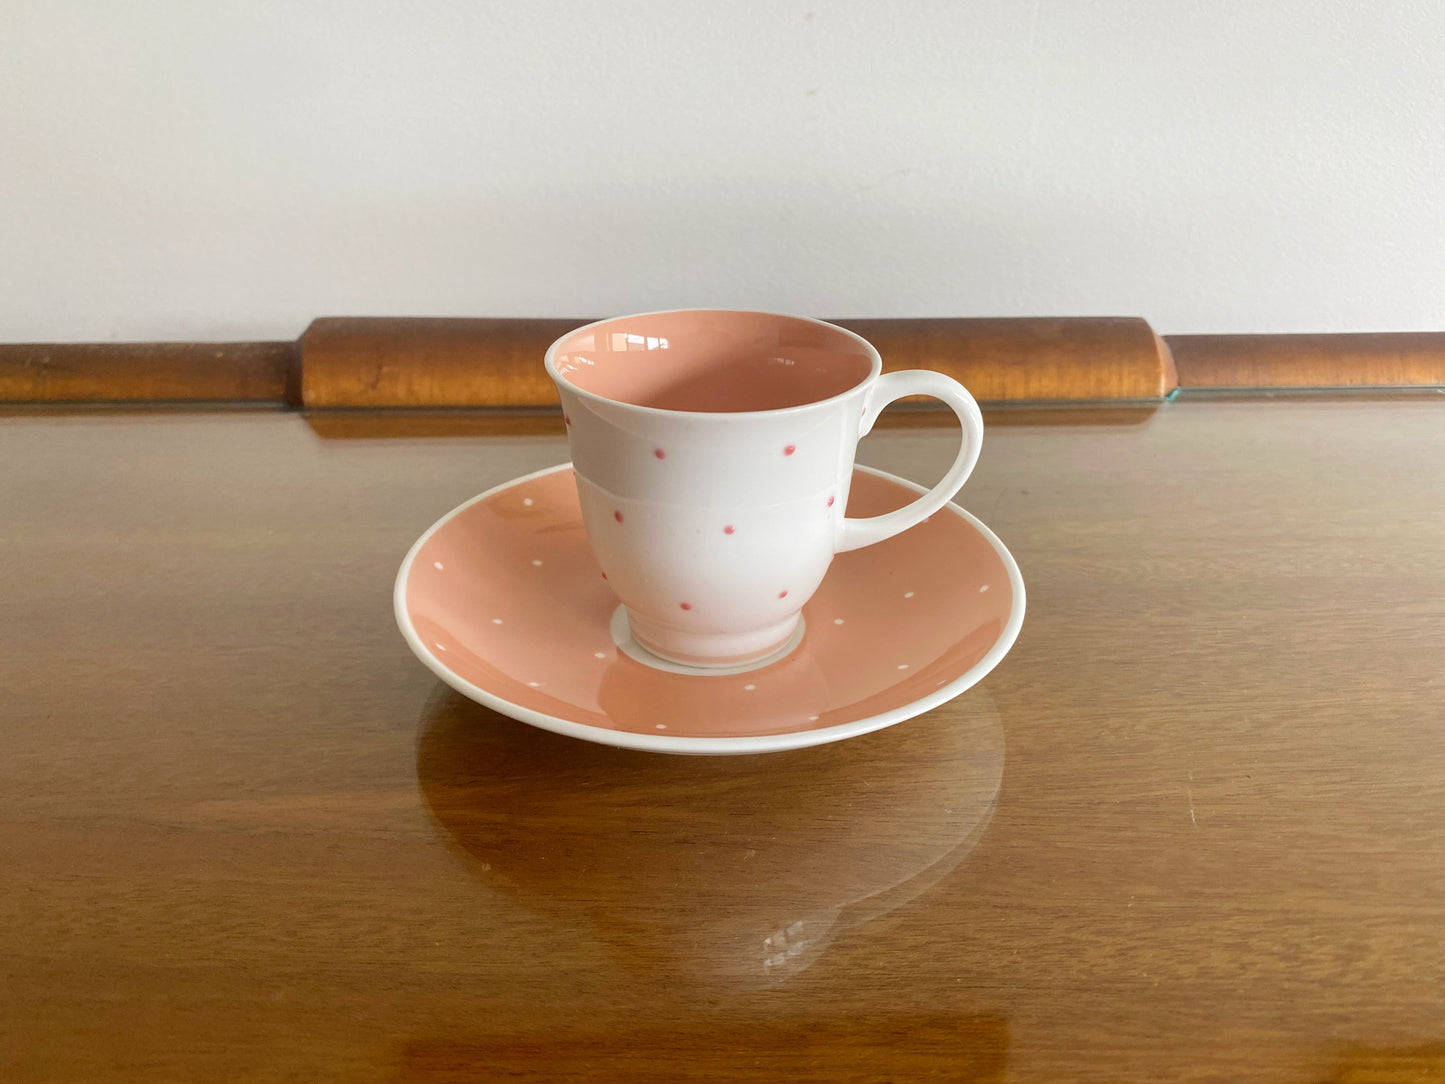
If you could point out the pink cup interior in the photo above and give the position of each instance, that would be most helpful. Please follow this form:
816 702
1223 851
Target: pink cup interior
713 360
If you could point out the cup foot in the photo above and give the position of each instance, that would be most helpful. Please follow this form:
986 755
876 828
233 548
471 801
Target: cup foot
711 650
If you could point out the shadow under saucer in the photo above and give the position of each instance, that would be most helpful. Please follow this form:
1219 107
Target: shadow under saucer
714 869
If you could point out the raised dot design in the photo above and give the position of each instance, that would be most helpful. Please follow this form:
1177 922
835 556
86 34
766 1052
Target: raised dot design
659 453
686 605
729 529
617 516
790 449
783 593
830 501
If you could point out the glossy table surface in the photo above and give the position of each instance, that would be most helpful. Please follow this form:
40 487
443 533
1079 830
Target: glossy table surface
1193 827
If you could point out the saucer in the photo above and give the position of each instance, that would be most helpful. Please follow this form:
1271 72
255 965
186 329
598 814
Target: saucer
502 599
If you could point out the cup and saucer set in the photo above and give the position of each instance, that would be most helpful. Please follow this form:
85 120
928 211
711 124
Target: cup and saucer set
712 573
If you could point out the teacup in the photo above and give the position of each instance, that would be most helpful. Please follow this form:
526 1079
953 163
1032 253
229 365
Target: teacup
713 451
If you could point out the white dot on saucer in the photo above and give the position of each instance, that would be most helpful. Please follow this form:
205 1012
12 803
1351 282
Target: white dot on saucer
812 718
749 688
599 654
536 563
535 684
837 620
903 666
496 620
907 594
436 564
982 589
527 501
441 647
661 726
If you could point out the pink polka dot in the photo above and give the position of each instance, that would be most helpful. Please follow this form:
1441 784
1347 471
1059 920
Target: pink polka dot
659 453
729 529
830 501
604 575
566 420
790 449
617 516
687 605
782 594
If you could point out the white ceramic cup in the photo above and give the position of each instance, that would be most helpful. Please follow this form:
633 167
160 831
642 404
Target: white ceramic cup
713 451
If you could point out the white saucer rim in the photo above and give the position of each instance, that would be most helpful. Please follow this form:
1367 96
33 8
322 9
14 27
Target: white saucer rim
743 744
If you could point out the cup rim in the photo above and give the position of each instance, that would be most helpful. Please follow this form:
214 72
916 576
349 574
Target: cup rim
874 371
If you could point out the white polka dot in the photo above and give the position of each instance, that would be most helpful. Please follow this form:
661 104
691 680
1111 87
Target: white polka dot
496 620
812 718
599 654
437 565
661 726
441 647
749 688
527 501
536 563
903 666
837 620
982 589
907 594
535 684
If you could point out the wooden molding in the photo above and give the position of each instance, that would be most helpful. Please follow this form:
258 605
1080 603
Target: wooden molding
403 362
420 362
1394 360
146 372
400 362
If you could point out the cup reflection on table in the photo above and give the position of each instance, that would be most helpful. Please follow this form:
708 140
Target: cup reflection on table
733 870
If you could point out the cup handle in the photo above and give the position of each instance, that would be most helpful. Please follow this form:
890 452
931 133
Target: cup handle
856 533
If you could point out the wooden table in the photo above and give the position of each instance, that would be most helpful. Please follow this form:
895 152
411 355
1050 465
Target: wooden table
246 836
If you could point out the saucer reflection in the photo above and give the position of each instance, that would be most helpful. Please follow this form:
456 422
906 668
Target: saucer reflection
734 869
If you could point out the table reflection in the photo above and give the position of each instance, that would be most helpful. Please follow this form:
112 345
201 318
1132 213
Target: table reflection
733 869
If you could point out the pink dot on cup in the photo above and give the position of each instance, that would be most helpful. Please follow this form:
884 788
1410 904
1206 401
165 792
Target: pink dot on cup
604 575
566 420
729 529
790 449
783 594
659 453
617 516
687 605
831 500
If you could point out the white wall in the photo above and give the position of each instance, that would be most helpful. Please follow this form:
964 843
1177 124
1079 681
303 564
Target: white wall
189 169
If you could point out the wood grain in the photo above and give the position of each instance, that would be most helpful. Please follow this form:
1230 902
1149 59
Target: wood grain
1397 360
246 836
146 372
398 362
